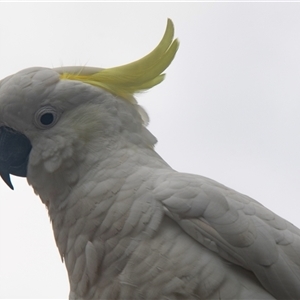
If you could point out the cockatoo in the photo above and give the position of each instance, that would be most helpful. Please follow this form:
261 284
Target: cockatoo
126 224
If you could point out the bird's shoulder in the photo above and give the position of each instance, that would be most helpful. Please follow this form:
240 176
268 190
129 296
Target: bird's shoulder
236 227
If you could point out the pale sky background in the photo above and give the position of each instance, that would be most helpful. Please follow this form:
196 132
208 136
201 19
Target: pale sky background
229 108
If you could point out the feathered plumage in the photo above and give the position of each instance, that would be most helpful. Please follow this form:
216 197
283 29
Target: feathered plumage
126 224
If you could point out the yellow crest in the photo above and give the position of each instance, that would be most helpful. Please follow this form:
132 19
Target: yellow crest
124 81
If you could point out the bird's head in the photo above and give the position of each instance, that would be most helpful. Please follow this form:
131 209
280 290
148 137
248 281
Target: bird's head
45 114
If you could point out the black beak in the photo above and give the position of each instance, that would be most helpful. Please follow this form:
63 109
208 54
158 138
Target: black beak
14 154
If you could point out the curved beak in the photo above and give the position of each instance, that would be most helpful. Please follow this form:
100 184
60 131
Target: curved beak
14 154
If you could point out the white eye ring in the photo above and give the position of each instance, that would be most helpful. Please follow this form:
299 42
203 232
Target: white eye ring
46 117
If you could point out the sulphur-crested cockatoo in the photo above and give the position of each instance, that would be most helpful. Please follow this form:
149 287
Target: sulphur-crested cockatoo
126 224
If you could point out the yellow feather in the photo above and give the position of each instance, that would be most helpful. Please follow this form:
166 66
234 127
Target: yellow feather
124 81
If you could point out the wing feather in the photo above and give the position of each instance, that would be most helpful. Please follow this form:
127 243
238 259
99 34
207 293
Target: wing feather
237 228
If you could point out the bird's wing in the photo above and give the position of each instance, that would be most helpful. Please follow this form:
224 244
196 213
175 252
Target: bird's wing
237 228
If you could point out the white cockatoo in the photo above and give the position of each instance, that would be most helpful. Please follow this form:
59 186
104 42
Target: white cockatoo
126 224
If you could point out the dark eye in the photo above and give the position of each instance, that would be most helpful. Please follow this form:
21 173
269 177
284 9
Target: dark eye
46 117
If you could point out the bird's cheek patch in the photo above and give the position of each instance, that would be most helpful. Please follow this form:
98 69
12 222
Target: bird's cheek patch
51 153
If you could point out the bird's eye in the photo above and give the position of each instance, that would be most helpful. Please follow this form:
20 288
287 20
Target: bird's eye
46 117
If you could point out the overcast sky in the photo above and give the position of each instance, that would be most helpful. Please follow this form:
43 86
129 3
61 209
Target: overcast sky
229 108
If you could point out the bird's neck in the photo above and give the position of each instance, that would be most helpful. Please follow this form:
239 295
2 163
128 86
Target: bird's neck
93 210
103 211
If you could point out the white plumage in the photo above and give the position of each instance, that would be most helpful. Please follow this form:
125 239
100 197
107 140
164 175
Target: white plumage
126 224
